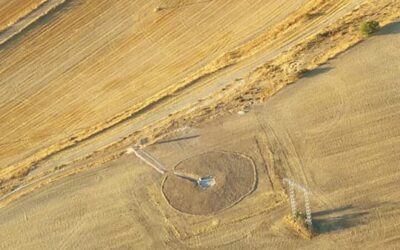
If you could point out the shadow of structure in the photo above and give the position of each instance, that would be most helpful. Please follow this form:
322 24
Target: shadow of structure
317 71
391 29
178 139
337 219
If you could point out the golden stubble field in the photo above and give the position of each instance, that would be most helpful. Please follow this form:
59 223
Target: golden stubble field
92 60
334 131
93 72
12 11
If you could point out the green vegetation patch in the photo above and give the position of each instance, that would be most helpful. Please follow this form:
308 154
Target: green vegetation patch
369 27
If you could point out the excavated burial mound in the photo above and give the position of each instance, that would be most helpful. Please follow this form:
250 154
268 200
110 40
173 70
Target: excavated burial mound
234 175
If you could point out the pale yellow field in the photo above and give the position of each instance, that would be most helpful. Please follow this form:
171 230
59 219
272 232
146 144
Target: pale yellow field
12 11
334 131
93 64
99 58
82 80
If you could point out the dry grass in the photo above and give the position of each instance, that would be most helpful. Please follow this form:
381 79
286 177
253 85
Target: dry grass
160 225
12 11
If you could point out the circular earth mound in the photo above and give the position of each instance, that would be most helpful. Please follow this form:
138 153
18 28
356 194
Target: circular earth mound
234 177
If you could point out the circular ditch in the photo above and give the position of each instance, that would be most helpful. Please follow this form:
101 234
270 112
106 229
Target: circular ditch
224 178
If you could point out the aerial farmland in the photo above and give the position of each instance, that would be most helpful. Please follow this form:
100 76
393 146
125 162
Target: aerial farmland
204 124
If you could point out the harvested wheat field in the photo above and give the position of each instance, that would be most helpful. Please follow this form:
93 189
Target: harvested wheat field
245 93
12 11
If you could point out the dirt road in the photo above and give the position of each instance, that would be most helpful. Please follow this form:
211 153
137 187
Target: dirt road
335 131
94 93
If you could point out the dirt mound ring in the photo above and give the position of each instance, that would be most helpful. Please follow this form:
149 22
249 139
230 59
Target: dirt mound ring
235 177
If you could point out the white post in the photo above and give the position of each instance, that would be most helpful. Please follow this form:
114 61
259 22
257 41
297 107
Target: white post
292 199
292 196
308 209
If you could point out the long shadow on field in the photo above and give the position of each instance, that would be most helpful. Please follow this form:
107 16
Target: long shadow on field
317 71
337 219
391 29
178 139
65 6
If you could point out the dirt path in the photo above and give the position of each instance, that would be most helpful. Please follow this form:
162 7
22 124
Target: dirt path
160 110
335 132
20 22
92 64
11 12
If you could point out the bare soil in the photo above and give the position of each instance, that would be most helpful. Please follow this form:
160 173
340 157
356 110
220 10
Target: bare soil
234 175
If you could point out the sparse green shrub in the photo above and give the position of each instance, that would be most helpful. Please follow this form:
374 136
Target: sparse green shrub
369 27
